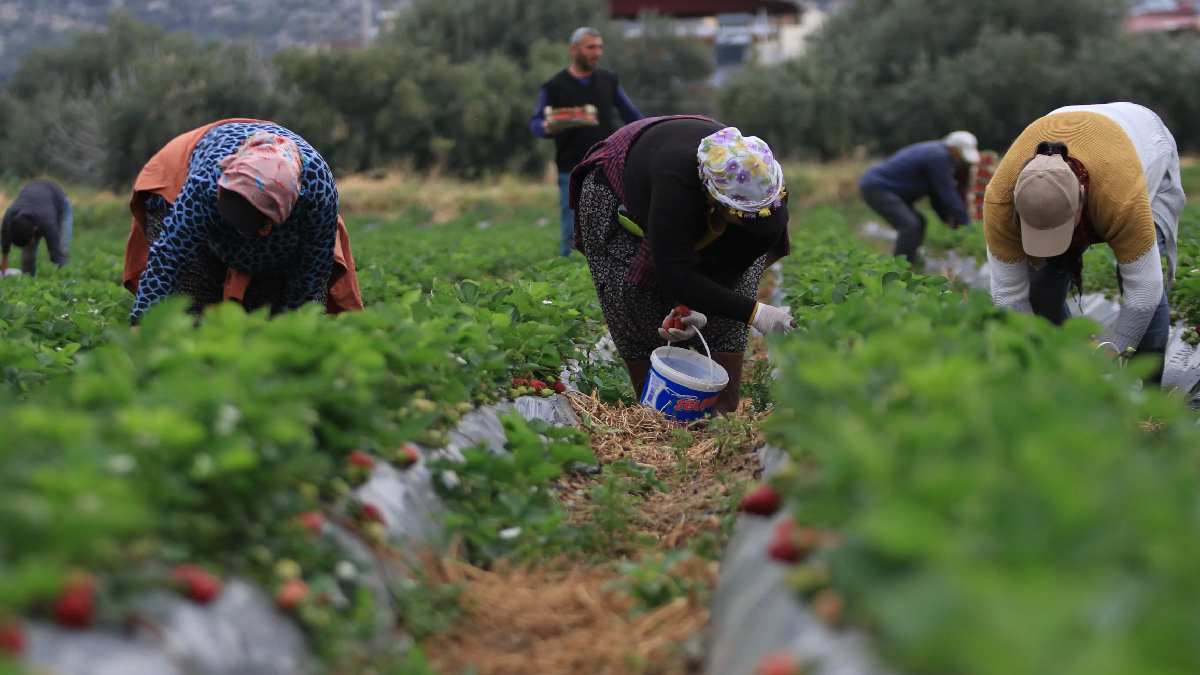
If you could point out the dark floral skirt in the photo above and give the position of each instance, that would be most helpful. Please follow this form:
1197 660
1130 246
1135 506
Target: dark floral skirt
634 313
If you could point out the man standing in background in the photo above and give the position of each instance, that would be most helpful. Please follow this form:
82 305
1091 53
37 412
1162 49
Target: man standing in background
577 107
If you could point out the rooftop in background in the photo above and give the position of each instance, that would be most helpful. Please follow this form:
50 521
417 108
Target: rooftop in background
1164 16
627 9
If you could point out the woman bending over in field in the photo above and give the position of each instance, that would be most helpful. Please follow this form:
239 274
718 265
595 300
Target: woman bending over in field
239 209
1084 175
682 210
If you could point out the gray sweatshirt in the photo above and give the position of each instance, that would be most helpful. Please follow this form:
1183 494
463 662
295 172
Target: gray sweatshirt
40 211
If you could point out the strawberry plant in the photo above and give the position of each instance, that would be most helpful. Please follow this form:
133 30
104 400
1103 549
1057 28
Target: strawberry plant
503 504
188 453
1001 504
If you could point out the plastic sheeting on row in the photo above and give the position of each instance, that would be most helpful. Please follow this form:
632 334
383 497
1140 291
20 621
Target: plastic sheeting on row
752 613
242 632
68 652
957 267
1182 369
407 498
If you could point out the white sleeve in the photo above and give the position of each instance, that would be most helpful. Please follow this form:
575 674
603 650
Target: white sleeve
1142 280
1010 284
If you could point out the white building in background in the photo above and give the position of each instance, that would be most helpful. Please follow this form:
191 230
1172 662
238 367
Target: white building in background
740 31
792 39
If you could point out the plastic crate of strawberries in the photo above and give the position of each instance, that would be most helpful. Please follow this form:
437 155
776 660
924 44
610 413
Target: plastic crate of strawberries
571 117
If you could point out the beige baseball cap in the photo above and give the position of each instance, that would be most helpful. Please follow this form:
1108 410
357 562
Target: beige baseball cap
965 143
1047 201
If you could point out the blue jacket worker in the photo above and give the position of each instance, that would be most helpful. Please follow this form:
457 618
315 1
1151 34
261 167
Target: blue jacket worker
891 187
578 107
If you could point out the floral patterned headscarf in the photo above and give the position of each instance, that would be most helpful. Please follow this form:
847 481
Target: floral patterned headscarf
740 173
266 171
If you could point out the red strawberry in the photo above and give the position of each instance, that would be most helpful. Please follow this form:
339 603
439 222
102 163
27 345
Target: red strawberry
12 638
76 605
682 310
291 594
762 501
778 663
196 583
313 521
675 323
791 545
560 387
537 385
371 513
361 459
408 456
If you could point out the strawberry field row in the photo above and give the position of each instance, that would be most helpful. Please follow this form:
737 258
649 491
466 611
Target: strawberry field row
125 455
976 490
44 322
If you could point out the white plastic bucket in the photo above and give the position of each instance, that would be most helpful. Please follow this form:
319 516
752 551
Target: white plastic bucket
683 384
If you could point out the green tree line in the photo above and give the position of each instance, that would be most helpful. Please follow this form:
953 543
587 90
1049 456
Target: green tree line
885 73
451 86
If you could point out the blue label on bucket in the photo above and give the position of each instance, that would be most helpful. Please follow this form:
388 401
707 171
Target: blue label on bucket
675 400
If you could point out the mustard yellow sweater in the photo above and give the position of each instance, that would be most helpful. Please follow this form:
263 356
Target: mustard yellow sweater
1117 203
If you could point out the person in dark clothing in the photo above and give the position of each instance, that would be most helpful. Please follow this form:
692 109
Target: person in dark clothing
40 211
583 100
923 169
682 210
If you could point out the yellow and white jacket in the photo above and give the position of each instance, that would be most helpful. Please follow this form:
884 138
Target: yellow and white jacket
1134 191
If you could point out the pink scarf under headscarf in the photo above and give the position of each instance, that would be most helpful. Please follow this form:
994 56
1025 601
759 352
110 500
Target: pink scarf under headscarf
266 171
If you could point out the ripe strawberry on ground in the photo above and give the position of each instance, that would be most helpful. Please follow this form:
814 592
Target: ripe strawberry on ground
12 638
761 501
407 456
313 521
196 583
371 513
75 606
361 460
792 544
358 466
291 595
779 663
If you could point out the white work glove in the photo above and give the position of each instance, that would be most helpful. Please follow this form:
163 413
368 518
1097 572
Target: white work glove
681 324
771 319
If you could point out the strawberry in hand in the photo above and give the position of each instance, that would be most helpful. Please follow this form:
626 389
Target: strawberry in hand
681 324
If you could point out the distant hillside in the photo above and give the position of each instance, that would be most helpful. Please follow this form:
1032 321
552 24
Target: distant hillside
25 24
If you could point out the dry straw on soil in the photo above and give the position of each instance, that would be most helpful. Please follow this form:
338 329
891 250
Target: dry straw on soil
572 617
699 464
570 621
